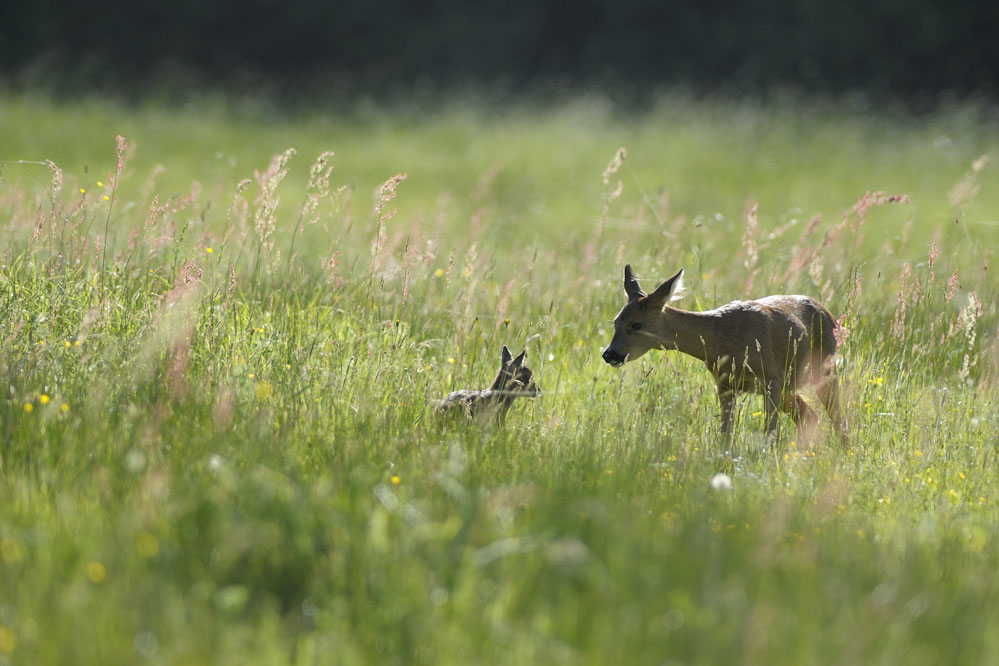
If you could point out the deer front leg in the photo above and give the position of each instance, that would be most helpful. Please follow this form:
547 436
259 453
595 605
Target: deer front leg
726 398
828 392
771 405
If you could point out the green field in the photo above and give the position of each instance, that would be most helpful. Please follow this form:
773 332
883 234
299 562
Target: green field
217 437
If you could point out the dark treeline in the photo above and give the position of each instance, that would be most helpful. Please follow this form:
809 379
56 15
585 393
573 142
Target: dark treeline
893 47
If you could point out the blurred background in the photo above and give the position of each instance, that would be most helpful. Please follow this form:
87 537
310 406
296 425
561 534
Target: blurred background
910 50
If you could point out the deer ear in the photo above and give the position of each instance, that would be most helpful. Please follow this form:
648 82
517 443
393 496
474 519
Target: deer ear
519 361
506 355
670 290
631 286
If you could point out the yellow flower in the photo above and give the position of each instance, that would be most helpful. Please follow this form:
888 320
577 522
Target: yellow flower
450 359
147 545
64 407
209 250
96 572
44 399
107 198
10 550
395 480
263 390
28 407
439 272
8 640
67 344
100 184
82 191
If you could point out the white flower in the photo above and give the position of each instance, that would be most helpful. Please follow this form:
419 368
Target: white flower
721 481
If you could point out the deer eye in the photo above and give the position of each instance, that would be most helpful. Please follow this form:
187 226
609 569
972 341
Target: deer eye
637 326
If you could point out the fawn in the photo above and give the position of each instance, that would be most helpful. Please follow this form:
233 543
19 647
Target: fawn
515 380
773 346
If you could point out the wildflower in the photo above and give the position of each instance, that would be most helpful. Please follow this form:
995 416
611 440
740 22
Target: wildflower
107 198
395 480
439 272
8 640
67 344
147 545
263 390
64 407
28 408
44 399
82 191
96 572
450 359
100 184
10 550
721 481
209 250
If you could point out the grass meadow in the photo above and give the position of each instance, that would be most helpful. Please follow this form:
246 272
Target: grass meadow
221 345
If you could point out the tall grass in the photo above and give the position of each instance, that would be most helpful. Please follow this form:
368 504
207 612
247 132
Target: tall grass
219 370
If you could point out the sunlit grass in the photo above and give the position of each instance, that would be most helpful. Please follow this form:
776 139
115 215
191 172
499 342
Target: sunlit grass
219 445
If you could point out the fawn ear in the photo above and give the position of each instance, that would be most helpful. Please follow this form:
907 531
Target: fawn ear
506 355
519 361
631 286
670 290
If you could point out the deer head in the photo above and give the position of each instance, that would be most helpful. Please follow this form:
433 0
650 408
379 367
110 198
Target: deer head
638 326
514 379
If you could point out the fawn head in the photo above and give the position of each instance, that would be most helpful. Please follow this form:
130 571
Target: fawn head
637 327
515 379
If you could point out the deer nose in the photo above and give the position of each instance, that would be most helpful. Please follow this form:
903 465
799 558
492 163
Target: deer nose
613 357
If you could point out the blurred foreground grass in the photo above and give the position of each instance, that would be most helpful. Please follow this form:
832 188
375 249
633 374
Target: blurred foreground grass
216 436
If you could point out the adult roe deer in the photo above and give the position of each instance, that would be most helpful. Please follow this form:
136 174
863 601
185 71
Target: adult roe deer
515 380
773 346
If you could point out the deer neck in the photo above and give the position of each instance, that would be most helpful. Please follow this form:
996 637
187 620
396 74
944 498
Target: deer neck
692 333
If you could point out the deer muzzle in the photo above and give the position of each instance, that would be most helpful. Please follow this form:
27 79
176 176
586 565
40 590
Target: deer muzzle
613 358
